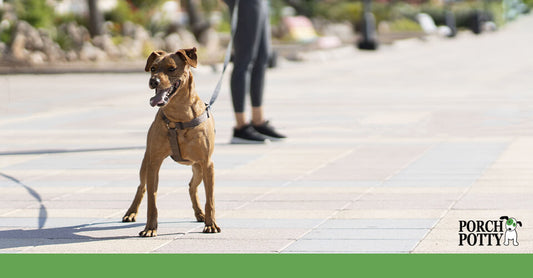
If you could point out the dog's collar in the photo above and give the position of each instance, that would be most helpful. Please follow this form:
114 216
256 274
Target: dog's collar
183 125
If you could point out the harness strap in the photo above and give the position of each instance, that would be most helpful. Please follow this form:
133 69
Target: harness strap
173 132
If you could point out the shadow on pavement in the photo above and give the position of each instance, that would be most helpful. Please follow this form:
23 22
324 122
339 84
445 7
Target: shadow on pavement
17 238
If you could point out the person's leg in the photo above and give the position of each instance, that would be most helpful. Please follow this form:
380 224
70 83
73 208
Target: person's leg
257 81
245 45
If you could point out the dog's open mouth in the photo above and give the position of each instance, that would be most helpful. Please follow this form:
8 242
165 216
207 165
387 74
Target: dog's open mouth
162 96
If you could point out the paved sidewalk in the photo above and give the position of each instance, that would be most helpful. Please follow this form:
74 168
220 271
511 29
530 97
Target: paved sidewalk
388 151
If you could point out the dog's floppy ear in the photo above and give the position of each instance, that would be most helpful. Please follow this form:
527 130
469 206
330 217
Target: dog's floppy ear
519 223
151 59
504 218
189 56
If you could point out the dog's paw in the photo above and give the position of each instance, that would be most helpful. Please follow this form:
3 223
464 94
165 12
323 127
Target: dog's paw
129 217
211 229
148 233
200 217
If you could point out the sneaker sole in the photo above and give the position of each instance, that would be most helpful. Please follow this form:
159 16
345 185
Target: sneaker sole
273 139
236 140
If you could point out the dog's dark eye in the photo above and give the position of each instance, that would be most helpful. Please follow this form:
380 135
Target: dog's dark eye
172 69
152 69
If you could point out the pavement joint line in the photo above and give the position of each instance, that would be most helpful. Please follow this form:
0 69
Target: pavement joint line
333 214
467 189
415 159
344 154
45 114
461 138
298 178
122 211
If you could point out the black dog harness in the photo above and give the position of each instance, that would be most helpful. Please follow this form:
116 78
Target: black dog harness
173 132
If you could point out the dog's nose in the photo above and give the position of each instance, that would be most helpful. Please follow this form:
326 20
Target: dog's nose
154 82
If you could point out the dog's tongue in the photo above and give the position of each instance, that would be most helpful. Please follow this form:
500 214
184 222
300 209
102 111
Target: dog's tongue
159 98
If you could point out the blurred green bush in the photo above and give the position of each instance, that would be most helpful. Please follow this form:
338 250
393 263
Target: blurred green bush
37 13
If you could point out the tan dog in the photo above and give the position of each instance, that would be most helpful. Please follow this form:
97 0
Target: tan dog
175 94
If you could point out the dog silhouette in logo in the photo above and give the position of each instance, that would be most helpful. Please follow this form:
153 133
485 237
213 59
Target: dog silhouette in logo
510 230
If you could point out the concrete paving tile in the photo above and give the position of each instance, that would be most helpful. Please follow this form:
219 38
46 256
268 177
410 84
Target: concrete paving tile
495 201
17 204
373 196
295 205
418 190
460 163
226 180
22 197
501 188
34 223
35 211
167 229
443 233
378 224
9 160
86 204
429 182
371 162
223 246
82 231
367 234
390 214
248 234
351 246
257 223
304 196
401 204
310 182
98 197
488 213
326 189
163 213
225 160
15 245
279 214
134 245
7 211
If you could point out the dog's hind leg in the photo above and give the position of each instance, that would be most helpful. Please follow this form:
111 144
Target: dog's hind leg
131 214
193 191
209 183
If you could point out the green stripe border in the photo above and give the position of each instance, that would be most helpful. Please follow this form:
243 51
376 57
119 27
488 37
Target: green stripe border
263 265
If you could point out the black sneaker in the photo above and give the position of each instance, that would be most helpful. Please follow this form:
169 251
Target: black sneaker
267 130
248 135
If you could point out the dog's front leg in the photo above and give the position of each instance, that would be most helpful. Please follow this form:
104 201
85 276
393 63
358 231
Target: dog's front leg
152 182
131 214
209 183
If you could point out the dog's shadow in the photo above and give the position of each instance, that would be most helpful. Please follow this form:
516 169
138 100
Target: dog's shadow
19 238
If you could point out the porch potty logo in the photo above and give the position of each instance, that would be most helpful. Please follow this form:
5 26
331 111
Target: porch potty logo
489 233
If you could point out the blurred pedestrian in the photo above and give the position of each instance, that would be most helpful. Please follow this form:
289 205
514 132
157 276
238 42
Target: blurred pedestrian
251 45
